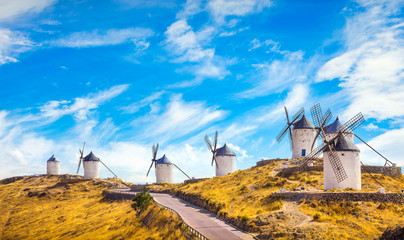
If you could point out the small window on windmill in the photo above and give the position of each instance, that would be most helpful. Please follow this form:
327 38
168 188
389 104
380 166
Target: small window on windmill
342 154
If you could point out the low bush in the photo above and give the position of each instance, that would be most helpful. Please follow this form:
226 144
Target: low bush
142 200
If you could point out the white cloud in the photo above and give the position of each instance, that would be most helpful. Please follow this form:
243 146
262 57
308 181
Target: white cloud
178 119
191 7
220 9
11 44
389 144
80 107
278 75
98 38
136 106
371 70
12 9
188 46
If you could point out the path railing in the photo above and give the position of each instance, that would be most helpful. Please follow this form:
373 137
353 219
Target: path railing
184 226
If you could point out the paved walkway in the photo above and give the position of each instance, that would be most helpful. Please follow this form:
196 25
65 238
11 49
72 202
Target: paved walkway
200 219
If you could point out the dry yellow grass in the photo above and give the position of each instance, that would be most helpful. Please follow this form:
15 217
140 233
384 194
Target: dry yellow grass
43 208
246 194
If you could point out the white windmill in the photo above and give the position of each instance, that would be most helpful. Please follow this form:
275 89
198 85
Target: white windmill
163 167
224 158
302 135
91 165
342 166
52 166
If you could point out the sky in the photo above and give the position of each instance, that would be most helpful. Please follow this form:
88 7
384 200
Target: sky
122 75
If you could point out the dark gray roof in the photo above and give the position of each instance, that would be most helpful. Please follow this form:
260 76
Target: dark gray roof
224 151
303 123
344 143
163 160
52 158
91 157
333 127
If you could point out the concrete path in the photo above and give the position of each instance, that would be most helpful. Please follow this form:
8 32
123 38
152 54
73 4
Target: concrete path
200 219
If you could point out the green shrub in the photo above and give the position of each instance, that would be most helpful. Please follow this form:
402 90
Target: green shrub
317 217
142 200
244 218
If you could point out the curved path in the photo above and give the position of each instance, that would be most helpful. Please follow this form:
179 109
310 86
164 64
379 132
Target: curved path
200 219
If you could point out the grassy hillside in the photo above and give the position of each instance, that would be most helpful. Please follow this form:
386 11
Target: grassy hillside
44 208
245 195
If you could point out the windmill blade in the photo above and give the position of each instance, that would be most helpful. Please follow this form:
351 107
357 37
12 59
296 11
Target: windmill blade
324 121
108 168
312 155
297 115
316 114
78 168
182 171
373 149
214 160
214 149
290 141
208 143
155 151
282 133
150 168
82 150
352 124
336 165
314 141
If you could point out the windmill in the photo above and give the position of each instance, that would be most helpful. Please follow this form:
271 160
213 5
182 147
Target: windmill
91 164
337 151
52 166
301 136
224 158
164 167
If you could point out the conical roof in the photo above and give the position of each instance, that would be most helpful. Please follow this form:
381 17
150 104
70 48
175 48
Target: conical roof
224 151
344 144
333 127
91 157
52 158
303 123
163 160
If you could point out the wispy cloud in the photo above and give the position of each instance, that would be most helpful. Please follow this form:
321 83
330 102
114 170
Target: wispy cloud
278 75
12 43
179 118
220 9
136 106
16 8
110 37
371 70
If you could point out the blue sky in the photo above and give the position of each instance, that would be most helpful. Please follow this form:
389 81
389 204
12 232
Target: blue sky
122 75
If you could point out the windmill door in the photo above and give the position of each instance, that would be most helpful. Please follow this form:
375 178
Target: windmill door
303 152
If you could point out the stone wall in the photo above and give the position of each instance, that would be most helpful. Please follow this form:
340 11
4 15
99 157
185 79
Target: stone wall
11 179
194 180
138 187
116 195
396 198
268 161
394 172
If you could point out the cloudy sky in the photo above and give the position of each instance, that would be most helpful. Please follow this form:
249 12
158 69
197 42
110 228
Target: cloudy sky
122 75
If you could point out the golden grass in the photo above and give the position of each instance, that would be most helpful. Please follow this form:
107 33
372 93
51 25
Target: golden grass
245 195
359 220
43 208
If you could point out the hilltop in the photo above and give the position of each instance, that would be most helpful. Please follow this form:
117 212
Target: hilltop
66 207
244 199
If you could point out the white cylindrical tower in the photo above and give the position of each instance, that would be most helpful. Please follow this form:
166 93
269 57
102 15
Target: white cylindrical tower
52 166
91 166
226 161
164 170
303 135
332 130
349 155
